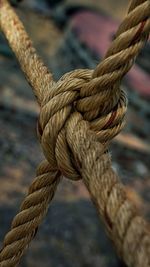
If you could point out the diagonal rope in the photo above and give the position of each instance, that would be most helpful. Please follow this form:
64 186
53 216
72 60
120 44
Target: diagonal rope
79 116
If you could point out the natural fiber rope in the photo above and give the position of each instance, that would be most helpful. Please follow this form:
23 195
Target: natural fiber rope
80 114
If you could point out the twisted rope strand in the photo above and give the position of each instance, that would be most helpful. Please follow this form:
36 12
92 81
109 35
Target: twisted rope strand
76 147
35 71
32 212
128 231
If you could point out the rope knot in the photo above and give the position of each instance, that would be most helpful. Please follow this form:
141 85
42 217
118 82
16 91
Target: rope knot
79 92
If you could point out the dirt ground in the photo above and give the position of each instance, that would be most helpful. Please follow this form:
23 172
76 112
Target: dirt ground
71 234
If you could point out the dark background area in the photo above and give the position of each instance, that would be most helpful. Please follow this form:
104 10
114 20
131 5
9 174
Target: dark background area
71 234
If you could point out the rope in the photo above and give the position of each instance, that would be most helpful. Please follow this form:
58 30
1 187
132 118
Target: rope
80 114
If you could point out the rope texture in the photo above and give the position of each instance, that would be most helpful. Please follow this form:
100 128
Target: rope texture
80 114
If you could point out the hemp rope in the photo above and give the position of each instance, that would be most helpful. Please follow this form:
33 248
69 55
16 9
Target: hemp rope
79 116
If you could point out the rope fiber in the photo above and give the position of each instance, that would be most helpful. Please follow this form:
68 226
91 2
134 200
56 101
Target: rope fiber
80 114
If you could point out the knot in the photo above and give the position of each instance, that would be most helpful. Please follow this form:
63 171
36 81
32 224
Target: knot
78 91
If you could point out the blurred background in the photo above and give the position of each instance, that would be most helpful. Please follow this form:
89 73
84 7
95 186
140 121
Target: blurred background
69 34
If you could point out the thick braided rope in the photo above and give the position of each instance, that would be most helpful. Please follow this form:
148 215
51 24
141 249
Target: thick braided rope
75 149
128 231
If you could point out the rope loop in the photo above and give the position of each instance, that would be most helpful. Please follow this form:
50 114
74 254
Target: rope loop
105 117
